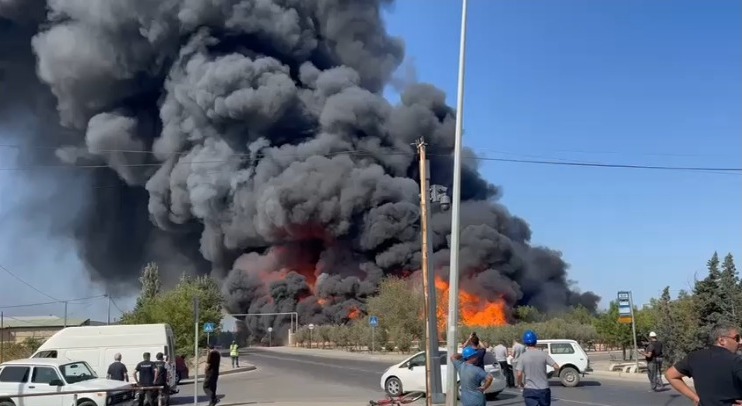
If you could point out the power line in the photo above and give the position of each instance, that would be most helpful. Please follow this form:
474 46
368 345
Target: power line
116 305
720 170
18 278
71 301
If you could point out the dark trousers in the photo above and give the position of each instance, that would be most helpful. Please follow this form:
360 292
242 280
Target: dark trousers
210 390
507 370
537 397
654 372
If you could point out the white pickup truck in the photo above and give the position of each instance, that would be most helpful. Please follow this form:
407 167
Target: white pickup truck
52 378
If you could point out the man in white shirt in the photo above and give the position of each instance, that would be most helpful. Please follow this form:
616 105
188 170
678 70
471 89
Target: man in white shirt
501 356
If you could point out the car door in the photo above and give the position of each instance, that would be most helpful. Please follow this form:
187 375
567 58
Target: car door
415 376
41 377
13 380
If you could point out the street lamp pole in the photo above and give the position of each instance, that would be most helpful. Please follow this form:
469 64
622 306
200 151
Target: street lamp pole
453 279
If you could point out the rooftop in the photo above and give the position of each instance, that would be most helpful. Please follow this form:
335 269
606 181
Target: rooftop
40 321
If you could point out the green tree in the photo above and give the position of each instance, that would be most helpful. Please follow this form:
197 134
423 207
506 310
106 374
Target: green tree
527 314
731 293
399 307
175 308
708 294
150 281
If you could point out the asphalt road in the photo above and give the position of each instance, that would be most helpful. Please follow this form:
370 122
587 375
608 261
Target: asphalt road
325 378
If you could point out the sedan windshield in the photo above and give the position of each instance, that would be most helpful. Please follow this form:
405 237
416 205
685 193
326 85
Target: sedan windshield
77 372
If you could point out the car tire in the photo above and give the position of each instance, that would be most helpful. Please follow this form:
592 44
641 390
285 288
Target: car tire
7 403
492 396
86 403
393 386
569 377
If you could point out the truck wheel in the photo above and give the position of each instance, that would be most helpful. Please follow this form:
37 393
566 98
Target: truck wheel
569 377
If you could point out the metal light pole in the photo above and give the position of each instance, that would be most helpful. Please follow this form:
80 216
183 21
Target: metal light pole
108 322
453 279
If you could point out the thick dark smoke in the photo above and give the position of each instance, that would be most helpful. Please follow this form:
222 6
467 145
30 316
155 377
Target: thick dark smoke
250 139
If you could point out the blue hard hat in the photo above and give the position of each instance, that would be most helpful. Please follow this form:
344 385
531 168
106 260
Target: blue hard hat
468 353
530 338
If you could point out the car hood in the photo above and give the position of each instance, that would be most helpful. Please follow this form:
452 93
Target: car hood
99 384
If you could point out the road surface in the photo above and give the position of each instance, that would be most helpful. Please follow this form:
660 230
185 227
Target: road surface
307 377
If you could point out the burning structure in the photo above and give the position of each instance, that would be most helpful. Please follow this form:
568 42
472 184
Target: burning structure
250 139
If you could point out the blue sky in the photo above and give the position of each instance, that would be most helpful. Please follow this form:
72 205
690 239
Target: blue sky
639 82
617 81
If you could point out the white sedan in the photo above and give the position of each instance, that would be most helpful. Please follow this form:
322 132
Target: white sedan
409 376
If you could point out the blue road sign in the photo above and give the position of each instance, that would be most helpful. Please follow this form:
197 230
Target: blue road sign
209 327
373 321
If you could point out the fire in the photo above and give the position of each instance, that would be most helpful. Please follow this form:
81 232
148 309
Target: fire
474 310
354 314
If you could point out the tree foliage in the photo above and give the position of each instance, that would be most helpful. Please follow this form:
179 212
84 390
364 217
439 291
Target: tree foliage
175 307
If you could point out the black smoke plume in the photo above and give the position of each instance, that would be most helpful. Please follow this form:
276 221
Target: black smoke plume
249 139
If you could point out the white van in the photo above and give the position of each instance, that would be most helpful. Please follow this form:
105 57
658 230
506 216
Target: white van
97 345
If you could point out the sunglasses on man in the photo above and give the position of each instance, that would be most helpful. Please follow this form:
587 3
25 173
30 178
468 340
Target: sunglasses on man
737 338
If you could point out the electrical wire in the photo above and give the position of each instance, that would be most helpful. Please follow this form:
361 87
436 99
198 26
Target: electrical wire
71 301
552 162
18 278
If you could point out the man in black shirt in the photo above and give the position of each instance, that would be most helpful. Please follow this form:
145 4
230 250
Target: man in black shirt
211 374
716 371
473 341
654 355
117 370
161 378
144 375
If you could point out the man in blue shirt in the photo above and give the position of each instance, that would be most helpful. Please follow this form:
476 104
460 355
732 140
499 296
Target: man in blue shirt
472 379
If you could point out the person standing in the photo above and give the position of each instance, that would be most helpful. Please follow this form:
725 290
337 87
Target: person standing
531 372
716 370
117 370
501 357
144 376
161 379
518 350
211 374
473 341
654 355
234 353
474 380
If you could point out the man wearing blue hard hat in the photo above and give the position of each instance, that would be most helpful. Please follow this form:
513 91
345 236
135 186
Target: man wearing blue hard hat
531 372
474 380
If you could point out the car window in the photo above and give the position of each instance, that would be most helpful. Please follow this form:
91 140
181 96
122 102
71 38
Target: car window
417 360
542 347
44 375
77 372
562 348
16 374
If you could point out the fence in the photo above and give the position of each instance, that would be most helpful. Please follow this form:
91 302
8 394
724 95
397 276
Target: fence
123 391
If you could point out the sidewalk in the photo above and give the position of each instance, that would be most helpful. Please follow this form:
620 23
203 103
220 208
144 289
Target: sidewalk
341 354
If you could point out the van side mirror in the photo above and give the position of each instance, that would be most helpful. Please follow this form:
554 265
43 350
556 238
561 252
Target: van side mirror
56 382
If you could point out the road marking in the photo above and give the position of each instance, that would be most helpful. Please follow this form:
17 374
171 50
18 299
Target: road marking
578 402
321 364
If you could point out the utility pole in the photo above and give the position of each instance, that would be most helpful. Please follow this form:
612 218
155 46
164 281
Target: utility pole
432 359
108 319
65 314
2 337
453 279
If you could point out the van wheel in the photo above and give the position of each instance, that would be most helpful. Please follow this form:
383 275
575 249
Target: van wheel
569 377
86 403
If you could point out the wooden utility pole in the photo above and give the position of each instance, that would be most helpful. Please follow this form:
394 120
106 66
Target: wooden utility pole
432 366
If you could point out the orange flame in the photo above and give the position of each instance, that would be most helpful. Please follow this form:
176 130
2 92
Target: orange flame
354 314
475 311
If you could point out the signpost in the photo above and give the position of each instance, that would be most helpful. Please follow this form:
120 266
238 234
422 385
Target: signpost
311 327
373 321
208 329
270 336
195 351
626 316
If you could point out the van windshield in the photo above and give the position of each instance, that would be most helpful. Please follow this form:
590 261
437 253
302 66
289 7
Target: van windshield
77 372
